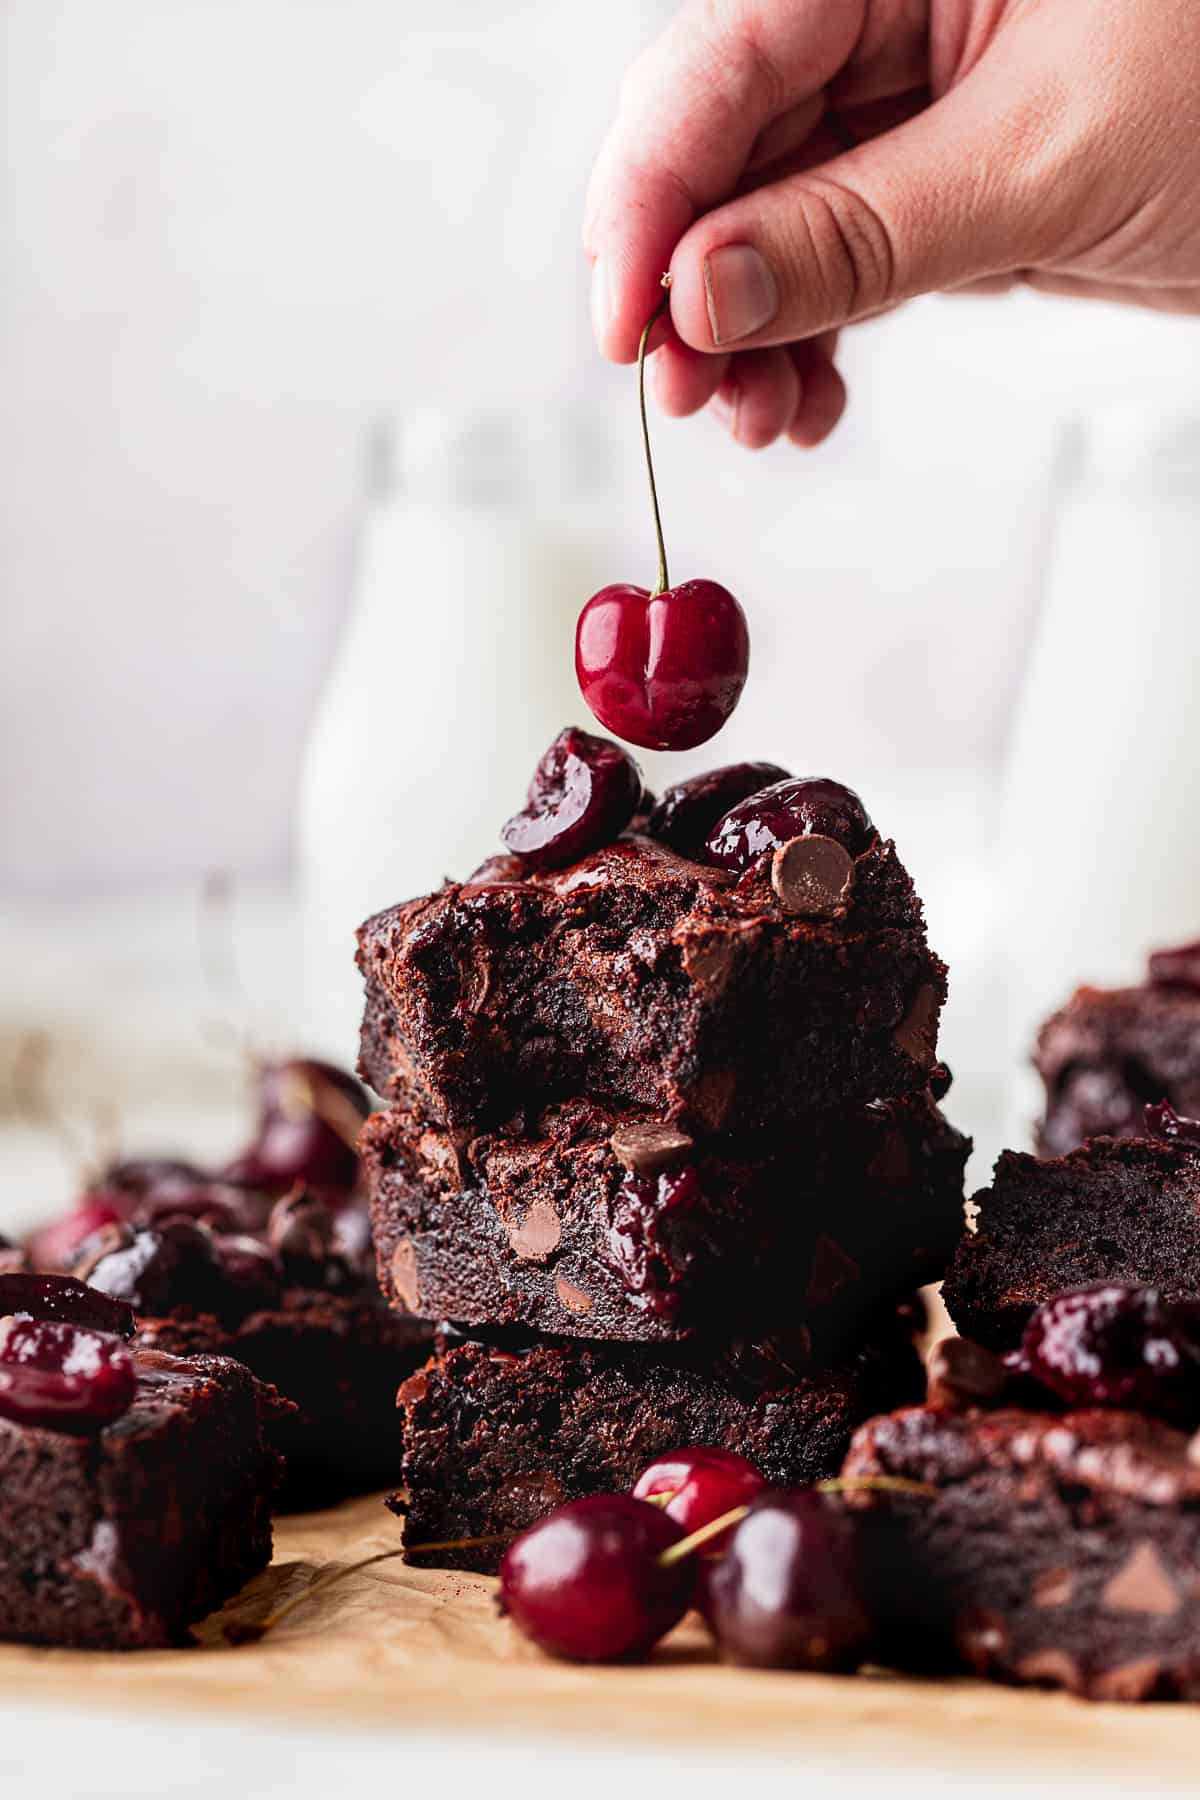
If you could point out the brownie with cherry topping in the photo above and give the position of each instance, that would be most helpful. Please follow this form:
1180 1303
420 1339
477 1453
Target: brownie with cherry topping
593 1220
1108 1053
122 1537
498 1434
663 982
290 1291
1048 1549
1114 1210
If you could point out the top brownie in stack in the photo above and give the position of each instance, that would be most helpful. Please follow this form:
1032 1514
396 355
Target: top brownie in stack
1108 1053
724 1001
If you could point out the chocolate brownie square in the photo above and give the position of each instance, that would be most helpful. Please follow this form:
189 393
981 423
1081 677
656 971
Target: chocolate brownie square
596 1221
651 979
1110 1052
1125 1210
122 1539
496 1437
1055 1550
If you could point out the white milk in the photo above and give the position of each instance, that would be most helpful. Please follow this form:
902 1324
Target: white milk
1102 848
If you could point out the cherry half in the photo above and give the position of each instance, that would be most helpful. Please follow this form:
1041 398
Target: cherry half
662 669
64 1377
808 806
588 1582
1112 1345
583 794
687 812
694 1487
786 1593
308 1122
65 1301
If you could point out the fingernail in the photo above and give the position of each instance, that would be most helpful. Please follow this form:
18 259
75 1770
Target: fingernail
740 291
601 301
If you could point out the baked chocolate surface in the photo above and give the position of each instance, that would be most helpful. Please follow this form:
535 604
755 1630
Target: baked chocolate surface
123 1539
640 975
495 1438
591 1220
1054 1550
1109 1053
1124 1210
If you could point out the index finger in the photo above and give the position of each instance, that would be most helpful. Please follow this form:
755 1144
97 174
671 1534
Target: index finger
691 108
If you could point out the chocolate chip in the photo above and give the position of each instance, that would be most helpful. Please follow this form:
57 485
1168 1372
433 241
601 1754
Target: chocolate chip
404 1274
538 1234
572 1298
916 1034
1142 1584
960 1374
651 1148
833 1269
813 877
1053 1587
1135 1680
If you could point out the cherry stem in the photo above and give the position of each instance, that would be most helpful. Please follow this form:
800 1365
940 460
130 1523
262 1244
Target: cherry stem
676 1552
663 578
873 1484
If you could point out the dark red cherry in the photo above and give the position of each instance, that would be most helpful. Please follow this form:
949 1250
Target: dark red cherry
1163 1121
810 805
786 1593
1179 967
66 1301
583 794
302 1235
654 1234
699 1486
687 812
62 1376
250 1273
309 1118
158 1270
586 1582
1112 1345
153 1175
662 670
53 1246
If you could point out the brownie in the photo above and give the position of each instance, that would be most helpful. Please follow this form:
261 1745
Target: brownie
1124 1210
592 1220
639 975
1054 1550
495 1437
1110 1052
121 1539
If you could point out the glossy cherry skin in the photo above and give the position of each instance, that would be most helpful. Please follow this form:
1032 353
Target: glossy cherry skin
665 670
53 1246
1162 1121
786 1593
810 804
583 794
157 1270
585 1582
701 1485
63 1377
66 1301
309 1116
688 811
1112 1345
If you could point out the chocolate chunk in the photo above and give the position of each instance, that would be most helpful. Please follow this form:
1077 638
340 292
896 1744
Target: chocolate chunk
832 1269
960 1374
573 1298
538 1234
1135 1680
650 1149
1053 1668
1053 1587
813 877
1142 1584
404 1274
916 1034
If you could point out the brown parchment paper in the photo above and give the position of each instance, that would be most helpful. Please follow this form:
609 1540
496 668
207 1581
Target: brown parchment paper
393 1646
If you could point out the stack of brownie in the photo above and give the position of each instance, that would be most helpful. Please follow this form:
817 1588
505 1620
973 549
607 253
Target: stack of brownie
663 1145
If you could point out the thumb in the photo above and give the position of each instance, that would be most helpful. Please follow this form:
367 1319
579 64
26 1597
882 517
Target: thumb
976 185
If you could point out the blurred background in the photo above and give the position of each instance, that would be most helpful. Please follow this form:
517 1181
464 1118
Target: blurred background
309 462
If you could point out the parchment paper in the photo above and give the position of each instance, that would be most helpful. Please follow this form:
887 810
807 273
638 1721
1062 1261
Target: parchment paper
407 1647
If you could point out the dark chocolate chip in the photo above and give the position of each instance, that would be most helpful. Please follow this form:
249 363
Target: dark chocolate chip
651 1148
538 1234
813 877
960 1374
916 1034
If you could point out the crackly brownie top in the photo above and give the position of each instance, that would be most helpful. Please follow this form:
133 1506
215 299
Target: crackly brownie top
1101 1162
1124 1454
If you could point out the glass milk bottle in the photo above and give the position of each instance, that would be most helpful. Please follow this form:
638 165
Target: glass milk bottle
454 672
1102 855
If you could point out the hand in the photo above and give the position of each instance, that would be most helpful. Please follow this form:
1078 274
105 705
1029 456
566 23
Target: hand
800 164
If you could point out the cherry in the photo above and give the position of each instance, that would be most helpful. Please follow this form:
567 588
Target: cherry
309 1117
53 1246
786 1593
66 1301
63 1376
157 1270
644 1245
1112 1345
662 669
1163 1121
587 1582
687 812
302 1235
699 1486
583 794
1179 967
251 1274
811 805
